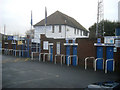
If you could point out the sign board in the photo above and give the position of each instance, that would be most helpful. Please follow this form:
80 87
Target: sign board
99 40
109 44
117 43
109 39
10 37
115 49
16 38
99 44
20 43
45 45
35 40
58 47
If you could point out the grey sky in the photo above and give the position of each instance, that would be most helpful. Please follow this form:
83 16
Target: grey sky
16 14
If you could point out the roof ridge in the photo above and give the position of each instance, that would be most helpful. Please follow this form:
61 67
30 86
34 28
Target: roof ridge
59 18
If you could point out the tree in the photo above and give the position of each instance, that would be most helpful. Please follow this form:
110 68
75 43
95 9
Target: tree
30 33
109 28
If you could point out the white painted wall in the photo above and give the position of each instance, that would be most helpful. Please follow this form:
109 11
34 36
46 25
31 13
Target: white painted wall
70 33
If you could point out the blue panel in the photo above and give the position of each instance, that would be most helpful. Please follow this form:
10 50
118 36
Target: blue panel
110 56
67 53
109 52
110 66
27 47
22 49
10 37
51 51
117 32
74 58
99 63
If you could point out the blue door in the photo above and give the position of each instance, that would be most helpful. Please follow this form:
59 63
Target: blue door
99 63
67 53
51 55
109 56
74 58
28 48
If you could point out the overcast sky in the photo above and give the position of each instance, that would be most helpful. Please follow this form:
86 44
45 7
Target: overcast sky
16 14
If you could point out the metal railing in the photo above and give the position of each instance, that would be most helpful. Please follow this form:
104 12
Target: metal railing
95 67
32 55
86 61
61 55
44 54
19 51
70 59
107 62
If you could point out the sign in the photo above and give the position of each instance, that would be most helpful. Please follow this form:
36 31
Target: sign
115 49
99 40
117 43
45 45
20 43
99 44
58 47
109 44
109 39
10 37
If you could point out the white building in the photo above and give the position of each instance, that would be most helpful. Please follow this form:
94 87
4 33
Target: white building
60 25
119 11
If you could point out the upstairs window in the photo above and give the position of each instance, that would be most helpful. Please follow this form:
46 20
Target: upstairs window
74 31
53 29
77 31
59 28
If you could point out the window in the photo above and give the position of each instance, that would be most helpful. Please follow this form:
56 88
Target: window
74 31
59 28
53 29
77 31
58 48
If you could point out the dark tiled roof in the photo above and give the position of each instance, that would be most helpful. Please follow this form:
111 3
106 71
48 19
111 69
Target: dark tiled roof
58 18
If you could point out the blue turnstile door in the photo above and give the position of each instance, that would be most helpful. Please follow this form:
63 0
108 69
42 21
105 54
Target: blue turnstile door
109 54
74 61
99 63
51 55
67 53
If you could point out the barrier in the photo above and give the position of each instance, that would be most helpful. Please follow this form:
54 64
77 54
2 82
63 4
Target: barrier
86 61
106 65
43 56
32 55
70 59
96 62
61 58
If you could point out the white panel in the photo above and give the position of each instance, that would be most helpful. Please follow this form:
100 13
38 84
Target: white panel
45 45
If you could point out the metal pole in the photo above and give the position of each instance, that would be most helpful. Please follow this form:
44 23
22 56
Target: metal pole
4 31
45 29
65 29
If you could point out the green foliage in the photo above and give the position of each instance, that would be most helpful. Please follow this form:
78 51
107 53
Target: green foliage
109 28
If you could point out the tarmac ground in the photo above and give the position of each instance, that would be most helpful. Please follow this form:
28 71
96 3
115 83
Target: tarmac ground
25 73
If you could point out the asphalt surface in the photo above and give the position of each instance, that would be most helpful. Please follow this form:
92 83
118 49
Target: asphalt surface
24 73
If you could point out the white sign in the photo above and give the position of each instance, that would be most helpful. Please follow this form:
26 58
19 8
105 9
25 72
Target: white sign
58 47
45 45
117 43
109 39
115 49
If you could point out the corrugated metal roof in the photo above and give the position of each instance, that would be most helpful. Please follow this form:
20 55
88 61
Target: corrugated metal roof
58 18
